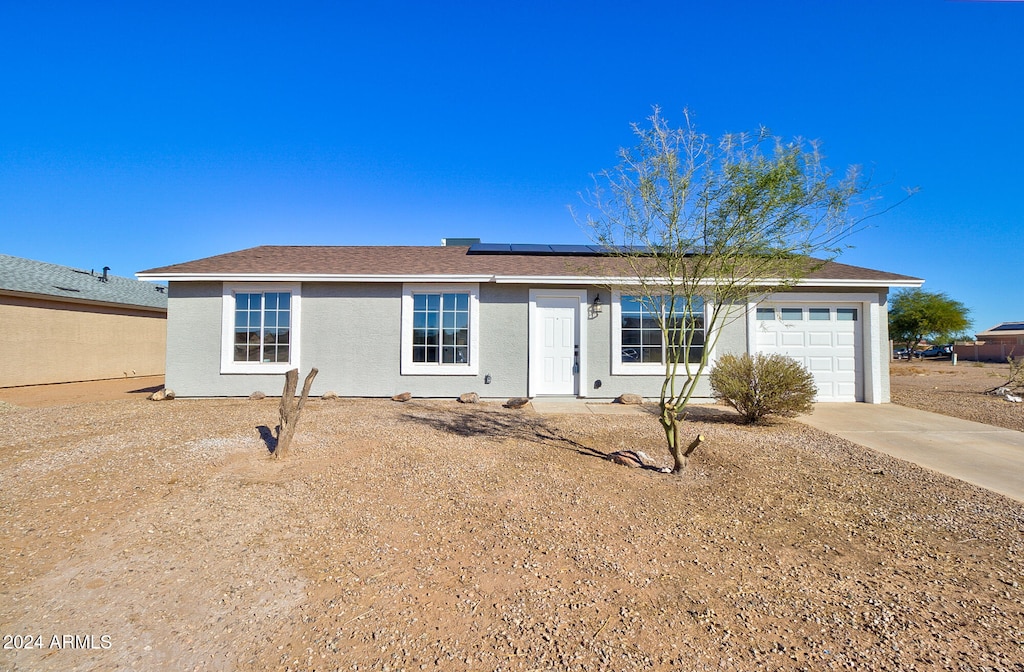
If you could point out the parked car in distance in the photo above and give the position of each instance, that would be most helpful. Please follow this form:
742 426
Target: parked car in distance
901 353
935 351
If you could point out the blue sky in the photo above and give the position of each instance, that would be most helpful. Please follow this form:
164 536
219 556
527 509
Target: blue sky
135 137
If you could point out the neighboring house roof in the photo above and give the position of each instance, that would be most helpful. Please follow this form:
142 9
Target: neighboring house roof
482 263
1002 329
25 277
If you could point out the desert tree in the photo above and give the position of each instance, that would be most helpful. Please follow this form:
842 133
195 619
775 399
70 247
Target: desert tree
916 315
698 227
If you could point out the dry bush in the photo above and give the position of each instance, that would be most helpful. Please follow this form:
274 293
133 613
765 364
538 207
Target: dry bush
763 385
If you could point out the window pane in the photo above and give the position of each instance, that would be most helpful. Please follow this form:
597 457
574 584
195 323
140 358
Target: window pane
431 337
792 314
651 338
284 301
818 314
630 337
419 354
651 355
846 314
448 320
766 313
271 301
447 355
448 337
283 336
630 304
433 302
419 301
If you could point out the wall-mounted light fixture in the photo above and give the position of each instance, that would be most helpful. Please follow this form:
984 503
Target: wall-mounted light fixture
597 305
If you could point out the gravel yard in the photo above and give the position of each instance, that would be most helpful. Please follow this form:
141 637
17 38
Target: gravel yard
435 535
958 391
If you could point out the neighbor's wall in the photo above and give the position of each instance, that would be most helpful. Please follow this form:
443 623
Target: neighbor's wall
58 342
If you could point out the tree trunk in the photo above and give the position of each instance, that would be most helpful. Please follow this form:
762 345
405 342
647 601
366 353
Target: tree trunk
680 457
289 409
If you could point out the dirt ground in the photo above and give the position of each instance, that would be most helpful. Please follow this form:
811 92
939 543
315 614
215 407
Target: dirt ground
433 535
936 385
38 396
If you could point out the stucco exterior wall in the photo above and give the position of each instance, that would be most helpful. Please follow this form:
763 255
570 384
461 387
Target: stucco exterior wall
352 333
58 342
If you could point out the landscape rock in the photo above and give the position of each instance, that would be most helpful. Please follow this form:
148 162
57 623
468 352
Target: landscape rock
159 395
404 396
257 395
629 399
329 395
517 402
469 398
168 394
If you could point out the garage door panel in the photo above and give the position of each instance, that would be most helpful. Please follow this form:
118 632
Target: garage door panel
792 339
847 338
816 364
846 392
819 338
846 363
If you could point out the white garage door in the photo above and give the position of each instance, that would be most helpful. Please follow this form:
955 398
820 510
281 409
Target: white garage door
824 338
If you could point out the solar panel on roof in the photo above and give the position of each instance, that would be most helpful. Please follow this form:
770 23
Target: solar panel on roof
489 248
1010 326
572 249
529 248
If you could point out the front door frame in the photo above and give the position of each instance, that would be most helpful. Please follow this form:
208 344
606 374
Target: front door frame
535 346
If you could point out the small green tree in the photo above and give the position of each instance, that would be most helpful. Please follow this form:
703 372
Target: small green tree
762 385
916 315
702 225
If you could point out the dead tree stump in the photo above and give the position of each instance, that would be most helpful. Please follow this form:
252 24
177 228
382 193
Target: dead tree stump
290 409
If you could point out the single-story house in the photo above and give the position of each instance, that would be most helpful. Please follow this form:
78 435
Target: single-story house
63 324
500 320
995 344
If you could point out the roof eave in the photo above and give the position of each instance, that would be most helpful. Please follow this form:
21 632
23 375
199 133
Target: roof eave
82 301
498 279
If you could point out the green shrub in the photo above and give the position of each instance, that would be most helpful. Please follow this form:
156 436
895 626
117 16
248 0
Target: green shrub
763 385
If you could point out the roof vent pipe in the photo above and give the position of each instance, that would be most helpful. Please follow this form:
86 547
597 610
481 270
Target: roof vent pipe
105 269
459 242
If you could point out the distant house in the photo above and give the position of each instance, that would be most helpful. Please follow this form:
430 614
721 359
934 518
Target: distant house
61 324
996 343
497 319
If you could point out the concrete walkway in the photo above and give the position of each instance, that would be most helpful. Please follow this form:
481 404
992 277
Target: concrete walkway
988 456
573 406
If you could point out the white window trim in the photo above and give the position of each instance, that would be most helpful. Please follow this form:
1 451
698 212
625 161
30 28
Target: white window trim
227 353
411 368
620 368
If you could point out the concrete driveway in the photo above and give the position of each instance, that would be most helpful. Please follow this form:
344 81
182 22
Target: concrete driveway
988 456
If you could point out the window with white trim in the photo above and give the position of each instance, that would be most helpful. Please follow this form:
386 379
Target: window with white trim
637 339
260 328
439 329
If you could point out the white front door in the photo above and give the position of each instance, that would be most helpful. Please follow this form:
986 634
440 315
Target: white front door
555 341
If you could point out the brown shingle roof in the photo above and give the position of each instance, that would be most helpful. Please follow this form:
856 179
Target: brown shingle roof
272 260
